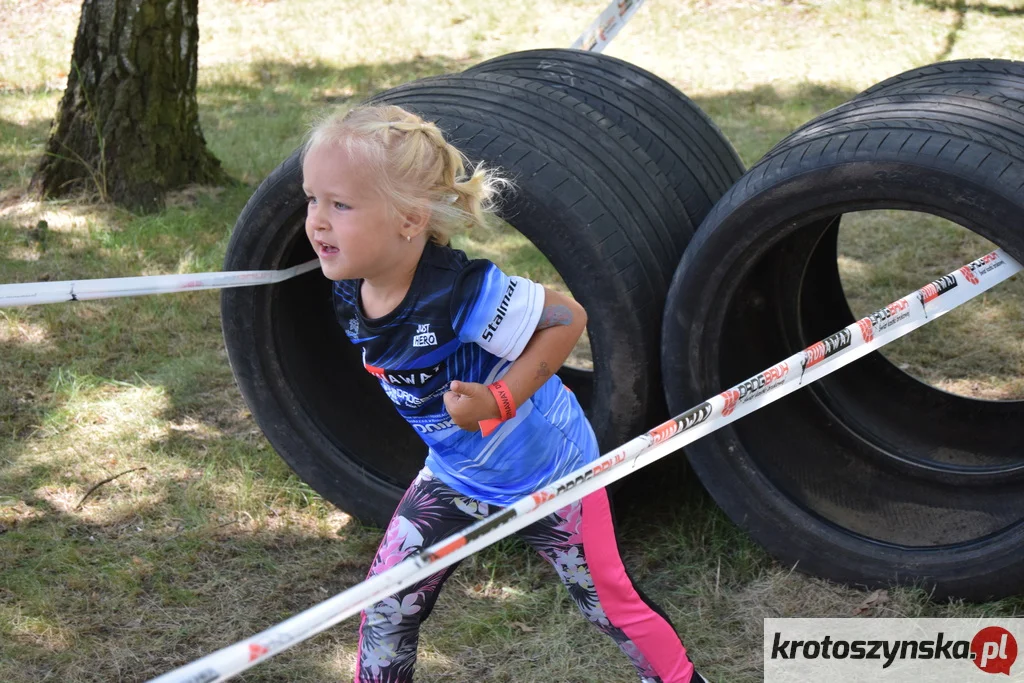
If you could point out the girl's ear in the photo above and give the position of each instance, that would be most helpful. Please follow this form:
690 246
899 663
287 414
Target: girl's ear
415 223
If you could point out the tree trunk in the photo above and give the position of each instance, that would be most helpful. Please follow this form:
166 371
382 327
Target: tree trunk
128 125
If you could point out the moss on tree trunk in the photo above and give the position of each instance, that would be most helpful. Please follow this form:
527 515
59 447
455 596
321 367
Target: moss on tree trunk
128 124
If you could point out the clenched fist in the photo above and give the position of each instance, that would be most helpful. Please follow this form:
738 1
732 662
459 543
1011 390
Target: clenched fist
470 402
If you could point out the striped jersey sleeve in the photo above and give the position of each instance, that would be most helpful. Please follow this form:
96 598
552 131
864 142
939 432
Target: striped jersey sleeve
496 311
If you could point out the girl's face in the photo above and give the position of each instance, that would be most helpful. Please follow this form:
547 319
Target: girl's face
347 221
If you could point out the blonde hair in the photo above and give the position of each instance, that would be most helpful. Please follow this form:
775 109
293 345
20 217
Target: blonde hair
415 167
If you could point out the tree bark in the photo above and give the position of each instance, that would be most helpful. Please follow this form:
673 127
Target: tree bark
128 124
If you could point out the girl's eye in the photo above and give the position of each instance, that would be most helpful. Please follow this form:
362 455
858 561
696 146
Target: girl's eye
341 207
311 200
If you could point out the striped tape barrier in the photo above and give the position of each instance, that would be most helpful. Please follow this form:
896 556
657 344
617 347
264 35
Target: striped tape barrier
32 293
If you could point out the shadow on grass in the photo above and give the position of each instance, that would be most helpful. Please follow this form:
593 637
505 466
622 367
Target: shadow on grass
364 80
21 145
962 8
954 30
254 119
755 119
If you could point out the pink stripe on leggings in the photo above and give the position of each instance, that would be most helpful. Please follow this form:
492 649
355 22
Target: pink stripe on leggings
623 606
359 647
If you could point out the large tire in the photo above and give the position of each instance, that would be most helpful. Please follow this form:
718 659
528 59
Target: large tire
986 95
868 476
599 218
1005 72
686 144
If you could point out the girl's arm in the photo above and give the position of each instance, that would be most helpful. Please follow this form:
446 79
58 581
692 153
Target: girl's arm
561 324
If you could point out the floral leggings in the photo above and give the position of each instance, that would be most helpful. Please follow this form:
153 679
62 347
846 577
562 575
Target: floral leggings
430 511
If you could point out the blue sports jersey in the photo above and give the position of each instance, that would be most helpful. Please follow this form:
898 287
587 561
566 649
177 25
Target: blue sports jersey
467 321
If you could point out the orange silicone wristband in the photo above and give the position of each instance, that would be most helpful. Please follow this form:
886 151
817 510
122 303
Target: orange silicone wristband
506 406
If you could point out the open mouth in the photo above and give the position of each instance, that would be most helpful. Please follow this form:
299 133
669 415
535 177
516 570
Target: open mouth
326 249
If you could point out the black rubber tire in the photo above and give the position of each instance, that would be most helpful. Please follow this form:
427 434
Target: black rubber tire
331 423
868 476
981 93
688 147
962 71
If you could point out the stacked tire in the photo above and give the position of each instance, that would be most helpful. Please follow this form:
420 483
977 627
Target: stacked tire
868 476
614 168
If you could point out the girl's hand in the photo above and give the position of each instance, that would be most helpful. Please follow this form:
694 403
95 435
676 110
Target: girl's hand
470 402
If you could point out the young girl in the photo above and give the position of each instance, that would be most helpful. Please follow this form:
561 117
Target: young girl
468 355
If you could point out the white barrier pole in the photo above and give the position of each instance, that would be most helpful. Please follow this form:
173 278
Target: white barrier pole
828 355
606 26
32 293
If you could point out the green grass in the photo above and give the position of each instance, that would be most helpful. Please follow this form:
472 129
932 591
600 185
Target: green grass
207 537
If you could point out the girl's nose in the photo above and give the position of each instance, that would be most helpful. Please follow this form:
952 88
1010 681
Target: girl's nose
315 219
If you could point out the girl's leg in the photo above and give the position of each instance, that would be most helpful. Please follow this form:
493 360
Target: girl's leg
389 631
604 592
